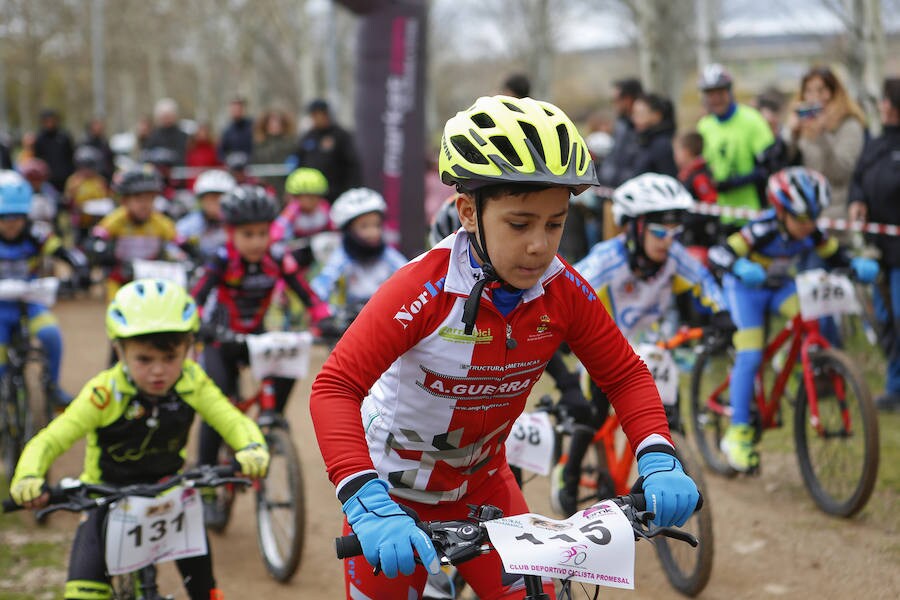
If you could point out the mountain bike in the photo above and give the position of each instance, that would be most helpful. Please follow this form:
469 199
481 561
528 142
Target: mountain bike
26 398
607 466
579 551
835 425
280 497
142 522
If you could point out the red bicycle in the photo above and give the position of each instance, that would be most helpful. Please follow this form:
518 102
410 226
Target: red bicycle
835 422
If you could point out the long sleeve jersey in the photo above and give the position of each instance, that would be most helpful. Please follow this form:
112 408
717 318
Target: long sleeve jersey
244 290
637 303
408 397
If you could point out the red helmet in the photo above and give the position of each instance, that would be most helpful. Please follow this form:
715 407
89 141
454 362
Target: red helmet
800 191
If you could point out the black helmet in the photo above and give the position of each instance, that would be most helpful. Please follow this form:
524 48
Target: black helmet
137 180
87 157
446 221
248 204
237 161
161 156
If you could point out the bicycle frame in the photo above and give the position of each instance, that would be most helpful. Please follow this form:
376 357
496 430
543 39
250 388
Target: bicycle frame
802 336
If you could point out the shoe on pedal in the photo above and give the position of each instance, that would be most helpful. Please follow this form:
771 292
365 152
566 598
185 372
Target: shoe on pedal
562 501
737 445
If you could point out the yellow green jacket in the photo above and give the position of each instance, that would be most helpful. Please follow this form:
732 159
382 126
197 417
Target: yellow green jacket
133 437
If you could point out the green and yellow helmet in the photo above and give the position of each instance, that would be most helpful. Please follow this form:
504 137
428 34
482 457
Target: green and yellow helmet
151 306
501 139
306 181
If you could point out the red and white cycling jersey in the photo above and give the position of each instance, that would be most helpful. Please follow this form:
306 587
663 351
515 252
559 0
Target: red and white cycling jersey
437 405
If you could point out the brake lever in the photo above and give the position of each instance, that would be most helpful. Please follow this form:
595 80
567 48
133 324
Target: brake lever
674 533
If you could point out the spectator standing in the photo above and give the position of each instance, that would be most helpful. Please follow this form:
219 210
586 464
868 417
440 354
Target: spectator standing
95 136
654 123
238 135
826 133
617 167
201 152
734 135
273 142
167 133
875 194
55 147
142 130
330 149
776 157
26 149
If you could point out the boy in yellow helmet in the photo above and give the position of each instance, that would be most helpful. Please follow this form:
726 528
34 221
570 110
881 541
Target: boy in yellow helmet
136 417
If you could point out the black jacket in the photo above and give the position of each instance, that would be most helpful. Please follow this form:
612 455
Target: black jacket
55 147
332 151
171 137
237 137
876 182
618 166
654 151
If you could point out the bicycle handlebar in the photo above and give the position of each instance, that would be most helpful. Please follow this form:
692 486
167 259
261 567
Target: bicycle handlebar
75 496
459 541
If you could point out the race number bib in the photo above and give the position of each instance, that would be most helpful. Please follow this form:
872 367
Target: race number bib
595 546
160 269
279 354
822 294
34 291
144 531
530 443
99 207
664 370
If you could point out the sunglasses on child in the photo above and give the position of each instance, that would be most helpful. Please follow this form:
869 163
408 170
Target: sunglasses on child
661 232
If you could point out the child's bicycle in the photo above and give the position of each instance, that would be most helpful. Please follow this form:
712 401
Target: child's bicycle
26 400
280 497
594 547
608 464
141 521
835 422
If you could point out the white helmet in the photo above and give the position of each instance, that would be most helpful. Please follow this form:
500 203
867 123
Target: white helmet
649 193
214 181
356 202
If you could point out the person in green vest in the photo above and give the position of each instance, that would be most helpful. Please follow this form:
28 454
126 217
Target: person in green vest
734 135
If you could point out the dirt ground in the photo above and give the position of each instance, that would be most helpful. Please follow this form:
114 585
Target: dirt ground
770 539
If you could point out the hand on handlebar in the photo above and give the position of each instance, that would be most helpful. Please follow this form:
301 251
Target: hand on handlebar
671 495
865 269
750 273
387 534
254 460
30 491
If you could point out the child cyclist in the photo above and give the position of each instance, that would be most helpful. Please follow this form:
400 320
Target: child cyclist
363 261
636 276
759 264
416 400
136 417
134 230
23 247
235 292
306 210
202 232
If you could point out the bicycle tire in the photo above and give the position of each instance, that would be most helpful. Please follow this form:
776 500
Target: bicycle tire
689 569
853 485
708 426
224 494
19 424
281 559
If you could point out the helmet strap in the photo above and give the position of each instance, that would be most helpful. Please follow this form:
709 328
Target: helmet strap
638 261
470 309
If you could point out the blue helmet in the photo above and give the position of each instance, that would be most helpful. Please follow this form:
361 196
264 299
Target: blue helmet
800 191
15 194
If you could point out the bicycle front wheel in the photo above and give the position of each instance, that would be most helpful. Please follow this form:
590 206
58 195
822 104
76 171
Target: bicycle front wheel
280 508
16 420
688 569
839 463
711 405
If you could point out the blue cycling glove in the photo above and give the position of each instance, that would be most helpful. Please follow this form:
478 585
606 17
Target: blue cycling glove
386 533
749 272
866 269
670 493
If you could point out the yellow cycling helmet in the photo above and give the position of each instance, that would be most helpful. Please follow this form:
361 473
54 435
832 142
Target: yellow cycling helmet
306 181
501 139
151 306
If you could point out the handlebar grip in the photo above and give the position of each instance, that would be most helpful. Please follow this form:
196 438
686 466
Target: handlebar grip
10 506
347 546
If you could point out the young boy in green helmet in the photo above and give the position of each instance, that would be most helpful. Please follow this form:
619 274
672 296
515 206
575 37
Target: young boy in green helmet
136 417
